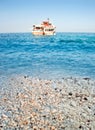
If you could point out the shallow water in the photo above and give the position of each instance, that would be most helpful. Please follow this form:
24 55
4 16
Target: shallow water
58 56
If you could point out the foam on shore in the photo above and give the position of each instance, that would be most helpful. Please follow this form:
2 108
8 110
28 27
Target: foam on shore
32 103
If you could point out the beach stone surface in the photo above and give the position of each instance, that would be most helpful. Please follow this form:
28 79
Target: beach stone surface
28 103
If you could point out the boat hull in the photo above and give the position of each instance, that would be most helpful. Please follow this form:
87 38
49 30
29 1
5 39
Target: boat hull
42 33
37 33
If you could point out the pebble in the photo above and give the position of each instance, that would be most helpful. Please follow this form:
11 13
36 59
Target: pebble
40 104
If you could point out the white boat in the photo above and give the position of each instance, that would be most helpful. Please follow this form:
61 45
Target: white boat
45 28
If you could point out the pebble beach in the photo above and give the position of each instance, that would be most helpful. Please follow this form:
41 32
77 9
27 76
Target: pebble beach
28 103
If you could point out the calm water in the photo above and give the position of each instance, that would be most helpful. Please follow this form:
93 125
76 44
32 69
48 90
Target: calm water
62 55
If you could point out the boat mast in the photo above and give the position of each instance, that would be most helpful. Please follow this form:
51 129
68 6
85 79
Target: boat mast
48 19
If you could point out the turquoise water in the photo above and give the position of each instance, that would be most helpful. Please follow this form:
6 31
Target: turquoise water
58 56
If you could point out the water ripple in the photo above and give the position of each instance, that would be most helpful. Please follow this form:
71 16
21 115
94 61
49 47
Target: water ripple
61 55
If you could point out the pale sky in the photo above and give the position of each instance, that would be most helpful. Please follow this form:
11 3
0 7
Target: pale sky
66 15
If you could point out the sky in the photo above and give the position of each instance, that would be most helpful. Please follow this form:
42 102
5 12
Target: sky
66 15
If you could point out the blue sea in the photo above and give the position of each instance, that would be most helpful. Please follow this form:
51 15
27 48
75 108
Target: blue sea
50 57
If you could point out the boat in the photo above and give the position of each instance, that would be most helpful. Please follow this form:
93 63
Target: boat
45 28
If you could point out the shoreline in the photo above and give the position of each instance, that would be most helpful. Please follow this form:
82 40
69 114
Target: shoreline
40 104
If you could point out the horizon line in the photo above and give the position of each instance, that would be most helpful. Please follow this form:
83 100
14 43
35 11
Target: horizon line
56 32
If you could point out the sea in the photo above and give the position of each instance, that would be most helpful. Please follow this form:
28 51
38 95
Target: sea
49 57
